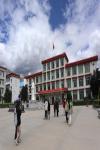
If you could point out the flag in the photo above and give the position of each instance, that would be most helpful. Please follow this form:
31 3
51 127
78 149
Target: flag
53 46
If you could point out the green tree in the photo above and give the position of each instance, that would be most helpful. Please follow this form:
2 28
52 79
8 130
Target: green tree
7 95
69 96
24 94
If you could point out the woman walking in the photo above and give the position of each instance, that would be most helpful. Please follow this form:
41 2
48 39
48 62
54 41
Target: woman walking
66 110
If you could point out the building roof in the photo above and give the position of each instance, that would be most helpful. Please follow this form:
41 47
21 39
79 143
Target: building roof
3 68
55 57
53 91
33 75
83 61
12 74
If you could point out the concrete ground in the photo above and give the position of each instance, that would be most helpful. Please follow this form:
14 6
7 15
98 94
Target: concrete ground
53 134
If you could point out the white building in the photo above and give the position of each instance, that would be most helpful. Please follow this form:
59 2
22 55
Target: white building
59 76
13 83
2 80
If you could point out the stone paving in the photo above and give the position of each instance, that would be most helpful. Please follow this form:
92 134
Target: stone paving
53 134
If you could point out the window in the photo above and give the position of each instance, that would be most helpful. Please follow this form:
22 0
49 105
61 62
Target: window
81 81
48 86
1 73
44 86
87 79
57 84
74 70
40 78
48 75
87 68
53 85
69 83
62 72
62 84
74 95
57 63
62 61
44 67
36 88
53 75
37 80
80 69
57 73
68 71
74 82
44 77
88 93
48 66
40 87
81 94
29 81
52 65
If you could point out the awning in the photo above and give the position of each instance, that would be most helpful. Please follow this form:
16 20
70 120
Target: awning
53 91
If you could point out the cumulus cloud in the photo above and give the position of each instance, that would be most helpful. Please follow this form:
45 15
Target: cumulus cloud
31 36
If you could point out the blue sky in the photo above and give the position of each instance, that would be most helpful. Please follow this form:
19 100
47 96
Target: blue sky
30 27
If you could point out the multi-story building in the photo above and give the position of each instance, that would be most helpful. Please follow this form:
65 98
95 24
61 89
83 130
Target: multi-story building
2 81
59 76
13 83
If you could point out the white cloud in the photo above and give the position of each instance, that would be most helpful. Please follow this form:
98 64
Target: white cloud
30 42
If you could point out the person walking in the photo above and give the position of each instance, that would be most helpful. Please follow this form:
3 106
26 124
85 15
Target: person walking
66 110
70 104
18 123
46 109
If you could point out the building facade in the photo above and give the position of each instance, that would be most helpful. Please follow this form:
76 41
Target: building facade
2 81
58 76
13 83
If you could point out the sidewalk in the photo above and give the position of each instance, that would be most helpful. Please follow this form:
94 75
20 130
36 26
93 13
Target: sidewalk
53 134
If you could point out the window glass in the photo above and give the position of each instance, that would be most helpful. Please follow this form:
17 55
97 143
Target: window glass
57 73
68 71
74 82
53 85
87 79
87 68
81 94
69 83
57 63
62 61
80 69
81 81
62 72
48 66
53 75
74 95
52 65
74 70
57 84
48 75
44 77
62 84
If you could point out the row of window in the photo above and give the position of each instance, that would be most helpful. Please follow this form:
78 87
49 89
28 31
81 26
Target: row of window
78 69
78 81
1 82
1 74
53 64
81 94
49 86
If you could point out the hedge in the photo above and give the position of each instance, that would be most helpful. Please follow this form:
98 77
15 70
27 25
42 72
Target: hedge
81 102
5 105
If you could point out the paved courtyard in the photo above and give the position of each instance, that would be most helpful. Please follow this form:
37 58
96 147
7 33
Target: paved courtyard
53 134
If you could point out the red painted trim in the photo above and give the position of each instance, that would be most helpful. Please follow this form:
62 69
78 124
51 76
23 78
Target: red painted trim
12 74
53 91
33 75
84 61
55 57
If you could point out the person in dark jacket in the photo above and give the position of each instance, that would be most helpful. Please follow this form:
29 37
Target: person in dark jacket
18 121
48 110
